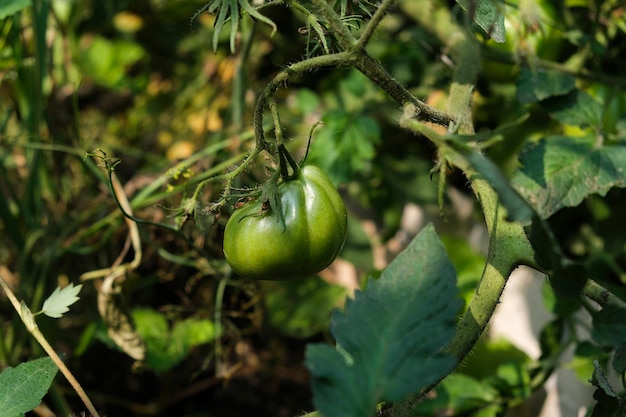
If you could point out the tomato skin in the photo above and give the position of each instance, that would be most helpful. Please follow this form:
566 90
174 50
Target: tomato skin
258 246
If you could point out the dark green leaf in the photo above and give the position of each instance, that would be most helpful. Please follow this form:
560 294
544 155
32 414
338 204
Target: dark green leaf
562 171
606 405
543 242
536 85
488 15
574 108
23 387
609 326
390 337
600 380
619 359
568 280
558 306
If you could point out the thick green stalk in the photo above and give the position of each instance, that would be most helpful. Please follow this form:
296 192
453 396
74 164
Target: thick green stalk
508 248
508 244
282 78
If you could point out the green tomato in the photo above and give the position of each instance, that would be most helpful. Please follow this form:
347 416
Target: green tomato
257 245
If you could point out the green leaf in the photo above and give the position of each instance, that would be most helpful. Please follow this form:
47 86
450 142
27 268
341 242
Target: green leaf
512 379
59 301
535 85
561 171
390 337
609 326
345 144
301 308
599 379
568 280
488 15
490 354
457 394
609 403
23 387
10 7
574 108
255 14
228 10
193 332
107 62
619 359
165 347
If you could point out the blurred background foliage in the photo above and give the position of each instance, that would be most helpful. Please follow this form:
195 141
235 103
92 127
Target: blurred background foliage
140 81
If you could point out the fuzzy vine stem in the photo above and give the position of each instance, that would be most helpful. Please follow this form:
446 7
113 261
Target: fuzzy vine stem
601 295
508 249
379 75
284 76
373 23
508 244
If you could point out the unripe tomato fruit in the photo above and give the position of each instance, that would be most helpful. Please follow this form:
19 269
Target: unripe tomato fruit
257 245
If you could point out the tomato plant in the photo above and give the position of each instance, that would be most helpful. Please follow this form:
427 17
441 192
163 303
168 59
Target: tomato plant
502 123
298 238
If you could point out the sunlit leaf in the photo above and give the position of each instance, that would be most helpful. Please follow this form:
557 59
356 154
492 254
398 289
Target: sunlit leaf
561 171
59 301
536 84
488 15
575 108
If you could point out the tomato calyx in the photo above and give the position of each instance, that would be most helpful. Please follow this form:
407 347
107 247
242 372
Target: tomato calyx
286 162
288 170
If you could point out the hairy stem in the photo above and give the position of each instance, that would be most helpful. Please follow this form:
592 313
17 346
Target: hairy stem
373 23
508 244
601 295
375 72
341 58
29 321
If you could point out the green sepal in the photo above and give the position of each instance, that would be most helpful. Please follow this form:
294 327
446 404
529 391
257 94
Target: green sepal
270 195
